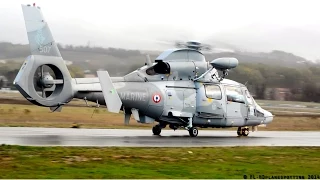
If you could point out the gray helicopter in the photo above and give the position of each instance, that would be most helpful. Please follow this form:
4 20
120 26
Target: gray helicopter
180 89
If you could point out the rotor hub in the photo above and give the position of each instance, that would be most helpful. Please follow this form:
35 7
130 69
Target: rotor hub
47 81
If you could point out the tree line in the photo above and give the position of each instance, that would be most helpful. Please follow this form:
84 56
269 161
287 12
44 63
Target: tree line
303 83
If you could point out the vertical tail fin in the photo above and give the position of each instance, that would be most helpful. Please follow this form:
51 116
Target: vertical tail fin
110 94
44 52
40 38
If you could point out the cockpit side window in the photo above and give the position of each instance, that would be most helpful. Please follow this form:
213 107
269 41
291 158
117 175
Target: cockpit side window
234 94
213 92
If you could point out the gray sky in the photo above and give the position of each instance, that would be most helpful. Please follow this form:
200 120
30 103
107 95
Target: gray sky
251 25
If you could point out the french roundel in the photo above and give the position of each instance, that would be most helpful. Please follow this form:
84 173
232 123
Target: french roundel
156 98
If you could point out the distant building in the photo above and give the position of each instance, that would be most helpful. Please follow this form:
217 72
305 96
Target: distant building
3 81
280 94
3 61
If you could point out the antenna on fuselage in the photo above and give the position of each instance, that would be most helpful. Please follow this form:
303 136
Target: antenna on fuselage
148 60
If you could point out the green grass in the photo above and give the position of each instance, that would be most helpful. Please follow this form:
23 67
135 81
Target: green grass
227 162
35 116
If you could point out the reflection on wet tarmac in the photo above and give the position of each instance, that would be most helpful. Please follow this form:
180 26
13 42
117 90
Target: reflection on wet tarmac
144 138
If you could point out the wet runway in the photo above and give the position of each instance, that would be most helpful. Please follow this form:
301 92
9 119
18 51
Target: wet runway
144 138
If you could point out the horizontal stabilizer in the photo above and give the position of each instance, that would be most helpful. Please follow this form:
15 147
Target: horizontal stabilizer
110 94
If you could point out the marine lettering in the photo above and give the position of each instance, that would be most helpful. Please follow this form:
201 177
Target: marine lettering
133 96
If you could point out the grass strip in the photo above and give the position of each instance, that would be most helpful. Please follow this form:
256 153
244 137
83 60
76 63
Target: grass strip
115 162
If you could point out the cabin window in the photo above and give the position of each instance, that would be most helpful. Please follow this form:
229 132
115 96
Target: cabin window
213 92
234 94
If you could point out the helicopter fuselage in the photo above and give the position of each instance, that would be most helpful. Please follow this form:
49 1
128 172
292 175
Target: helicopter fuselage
180 89
223 104
174 90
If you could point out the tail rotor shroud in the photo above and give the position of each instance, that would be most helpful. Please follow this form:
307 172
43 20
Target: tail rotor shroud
44 70
56 88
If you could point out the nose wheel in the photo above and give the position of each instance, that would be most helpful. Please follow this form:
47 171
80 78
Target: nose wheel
243 131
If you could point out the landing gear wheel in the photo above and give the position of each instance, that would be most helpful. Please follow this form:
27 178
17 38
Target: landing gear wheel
245 132
239 131
156 130
193 132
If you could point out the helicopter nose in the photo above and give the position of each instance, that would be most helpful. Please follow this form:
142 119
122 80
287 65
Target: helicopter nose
268 117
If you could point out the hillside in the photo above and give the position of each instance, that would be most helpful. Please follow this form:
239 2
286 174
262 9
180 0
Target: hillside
260 71
275 57
120 61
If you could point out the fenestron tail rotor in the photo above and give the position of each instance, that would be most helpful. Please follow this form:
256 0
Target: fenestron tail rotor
46 81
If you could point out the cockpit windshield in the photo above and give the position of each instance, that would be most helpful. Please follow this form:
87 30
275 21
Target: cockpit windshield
248 97
234 94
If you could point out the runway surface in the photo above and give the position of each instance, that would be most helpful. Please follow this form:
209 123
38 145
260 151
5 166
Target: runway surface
144 138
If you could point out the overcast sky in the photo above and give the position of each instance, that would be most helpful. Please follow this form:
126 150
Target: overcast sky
251 25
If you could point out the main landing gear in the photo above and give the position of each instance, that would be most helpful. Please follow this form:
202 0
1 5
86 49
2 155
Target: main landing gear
243 131
193 131
156 129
